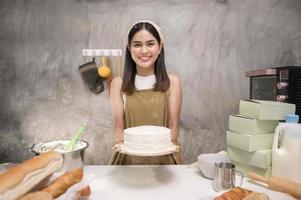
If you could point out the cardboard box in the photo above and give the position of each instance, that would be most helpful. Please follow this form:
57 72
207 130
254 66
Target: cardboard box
249 125
266 110
248 142
246 168
261 158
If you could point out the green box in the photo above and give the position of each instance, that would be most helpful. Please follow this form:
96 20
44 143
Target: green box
248 142
246 168
249 125
266 110
261 158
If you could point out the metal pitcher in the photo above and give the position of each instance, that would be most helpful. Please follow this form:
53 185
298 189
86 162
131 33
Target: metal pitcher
224 176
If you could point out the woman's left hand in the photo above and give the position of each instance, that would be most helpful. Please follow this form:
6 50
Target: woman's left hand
175 142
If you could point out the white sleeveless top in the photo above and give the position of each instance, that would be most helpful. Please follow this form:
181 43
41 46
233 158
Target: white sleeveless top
145 82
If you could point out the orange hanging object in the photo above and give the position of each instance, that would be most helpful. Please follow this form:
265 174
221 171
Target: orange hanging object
104 71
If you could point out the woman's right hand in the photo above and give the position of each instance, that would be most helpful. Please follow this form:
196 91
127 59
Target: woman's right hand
116 145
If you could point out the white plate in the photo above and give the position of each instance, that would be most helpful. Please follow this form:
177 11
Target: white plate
122 149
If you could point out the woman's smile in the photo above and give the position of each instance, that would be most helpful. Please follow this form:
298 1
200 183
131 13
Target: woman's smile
145 58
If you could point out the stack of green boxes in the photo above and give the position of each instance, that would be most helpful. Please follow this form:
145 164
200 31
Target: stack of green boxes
251 133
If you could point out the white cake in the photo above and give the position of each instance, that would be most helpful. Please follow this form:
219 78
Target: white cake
147 139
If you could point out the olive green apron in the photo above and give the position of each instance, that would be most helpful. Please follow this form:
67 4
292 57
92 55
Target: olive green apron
146 107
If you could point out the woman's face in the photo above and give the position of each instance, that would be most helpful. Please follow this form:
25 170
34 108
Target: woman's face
145 50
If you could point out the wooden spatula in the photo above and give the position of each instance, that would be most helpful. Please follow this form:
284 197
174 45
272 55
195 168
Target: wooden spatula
118 66
279 184
110 78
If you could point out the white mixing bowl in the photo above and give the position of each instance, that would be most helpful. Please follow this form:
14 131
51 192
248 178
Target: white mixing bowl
206 163
72 160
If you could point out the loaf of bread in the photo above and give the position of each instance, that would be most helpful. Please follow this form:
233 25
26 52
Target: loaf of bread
82 194
60 185
85 192
238 193
40 195
256 196
21 178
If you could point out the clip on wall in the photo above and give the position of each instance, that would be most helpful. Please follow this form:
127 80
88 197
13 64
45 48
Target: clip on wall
102 52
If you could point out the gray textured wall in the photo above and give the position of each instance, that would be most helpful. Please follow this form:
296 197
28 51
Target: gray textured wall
209 44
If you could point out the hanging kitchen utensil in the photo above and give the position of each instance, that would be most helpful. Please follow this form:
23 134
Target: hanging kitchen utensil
118 66
91 78
103 71
111 76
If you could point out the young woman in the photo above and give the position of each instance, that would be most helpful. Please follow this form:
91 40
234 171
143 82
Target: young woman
146 95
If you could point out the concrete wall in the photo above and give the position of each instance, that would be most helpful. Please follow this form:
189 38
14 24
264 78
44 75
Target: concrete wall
209 44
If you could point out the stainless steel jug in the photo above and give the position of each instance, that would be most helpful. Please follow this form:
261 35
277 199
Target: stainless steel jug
224 176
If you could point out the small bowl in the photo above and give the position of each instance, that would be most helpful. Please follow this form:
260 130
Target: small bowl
206 163
72 159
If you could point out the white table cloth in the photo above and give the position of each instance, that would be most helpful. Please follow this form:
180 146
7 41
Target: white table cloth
168 182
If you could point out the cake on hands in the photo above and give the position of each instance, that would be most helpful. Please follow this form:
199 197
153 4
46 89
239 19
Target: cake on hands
150 139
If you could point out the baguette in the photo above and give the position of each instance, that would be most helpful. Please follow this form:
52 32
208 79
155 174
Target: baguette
65 181
40 195
20 179
256 196
85 192
242 194
82 194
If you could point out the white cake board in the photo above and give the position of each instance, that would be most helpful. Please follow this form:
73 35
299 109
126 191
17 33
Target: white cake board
169 150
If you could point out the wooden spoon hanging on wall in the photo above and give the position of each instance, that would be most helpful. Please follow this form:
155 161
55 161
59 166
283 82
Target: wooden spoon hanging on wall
111 76
118 66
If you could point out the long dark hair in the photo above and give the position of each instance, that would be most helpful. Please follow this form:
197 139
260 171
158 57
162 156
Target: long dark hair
128 82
